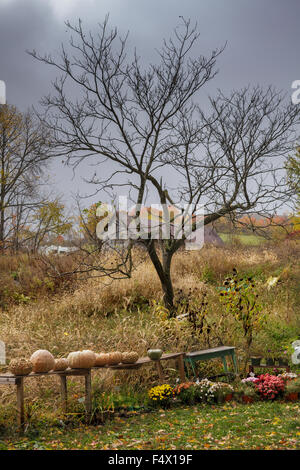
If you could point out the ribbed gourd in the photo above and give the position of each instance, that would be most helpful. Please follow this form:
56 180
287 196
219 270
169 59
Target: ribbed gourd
129 357
61 364
114 357
20 366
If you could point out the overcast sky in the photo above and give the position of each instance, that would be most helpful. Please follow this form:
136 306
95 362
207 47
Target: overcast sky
262 42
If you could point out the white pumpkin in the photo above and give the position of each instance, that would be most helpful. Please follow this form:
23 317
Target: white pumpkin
101 360
81 359
42 361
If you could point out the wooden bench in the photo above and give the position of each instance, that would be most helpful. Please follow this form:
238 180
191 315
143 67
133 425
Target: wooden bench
178 357
206 354
18 381
181 358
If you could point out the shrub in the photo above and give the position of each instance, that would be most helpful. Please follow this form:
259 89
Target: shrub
240 297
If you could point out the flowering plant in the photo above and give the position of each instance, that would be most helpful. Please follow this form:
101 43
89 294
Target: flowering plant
161 393
269 386
219 388
249 380
185 392
210 391
182 387
288 376
203 391
293 386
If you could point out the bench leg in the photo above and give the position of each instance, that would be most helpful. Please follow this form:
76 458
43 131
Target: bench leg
225 364
88 395
235 364
191 363
64 392
160 371
180 363
20 403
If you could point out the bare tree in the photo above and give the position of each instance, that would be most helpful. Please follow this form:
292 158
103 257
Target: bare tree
24 152
144 128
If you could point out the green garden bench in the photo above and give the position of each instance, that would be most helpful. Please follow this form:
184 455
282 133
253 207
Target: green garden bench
206 354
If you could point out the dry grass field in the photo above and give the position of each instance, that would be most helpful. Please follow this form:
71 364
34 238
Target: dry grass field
127 314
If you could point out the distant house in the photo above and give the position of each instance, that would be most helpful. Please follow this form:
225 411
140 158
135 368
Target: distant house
211 236
57 250
151 220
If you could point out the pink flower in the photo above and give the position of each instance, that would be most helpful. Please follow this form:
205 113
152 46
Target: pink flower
269 386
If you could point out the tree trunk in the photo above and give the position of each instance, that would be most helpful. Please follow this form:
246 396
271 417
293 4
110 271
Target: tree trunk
2 192
163 270
167 285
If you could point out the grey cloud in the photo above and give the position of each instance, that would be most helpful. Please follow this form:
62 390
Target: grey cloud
262 37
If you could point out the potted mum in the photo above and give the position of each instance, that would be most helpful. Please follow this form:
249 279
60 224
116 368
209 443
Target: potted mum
185 392
269 386
220 390
161 395
224 392
249 394
245 391
292 390
203 392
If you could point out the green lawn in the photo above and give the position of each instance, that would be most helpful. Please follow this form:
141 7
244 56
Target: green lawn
250 240
231 426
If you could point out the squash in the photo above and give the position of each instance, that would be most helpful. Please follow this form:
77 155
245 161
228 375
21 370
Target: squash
81 359
20 366
42 361
101 360
60 364
114 358
154 354
129 357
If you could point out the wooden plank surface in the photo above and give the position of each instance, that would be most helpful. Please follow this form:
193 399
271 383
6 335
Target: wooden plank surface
8 380
146 360
136 365
207 352
67 372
